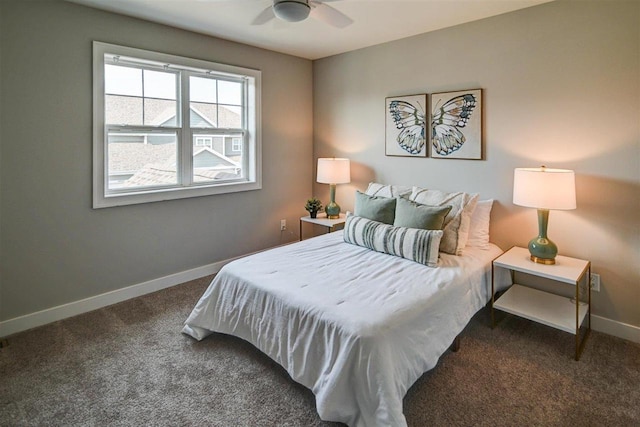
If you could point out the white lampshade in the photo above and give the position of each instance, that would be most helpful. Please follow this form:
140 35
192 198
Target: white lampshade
544 188
291 10
334 171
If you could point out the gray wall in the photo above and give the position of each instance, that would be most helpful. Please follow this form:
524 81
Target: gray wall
54 248
561 87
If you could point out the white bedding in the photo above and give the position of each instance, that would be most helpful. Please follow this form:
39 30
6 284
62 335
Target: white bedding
355 326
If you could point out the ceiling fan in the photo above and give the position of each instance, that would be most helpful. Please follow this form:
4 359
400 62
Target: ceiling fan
299 10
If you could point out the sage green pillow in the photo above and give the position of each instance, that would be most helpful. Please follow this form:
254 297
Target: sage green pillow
415 215
381 209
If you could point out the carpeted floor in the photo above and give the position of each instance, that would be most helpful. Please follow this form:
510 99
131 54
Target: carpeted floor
129 365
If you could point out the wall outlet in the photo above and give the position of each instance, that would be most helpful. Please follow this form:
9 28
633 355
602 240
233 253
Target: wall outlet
595 282
283 224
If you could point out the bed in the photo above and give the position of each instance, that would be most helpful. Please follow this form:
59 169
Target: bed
356 326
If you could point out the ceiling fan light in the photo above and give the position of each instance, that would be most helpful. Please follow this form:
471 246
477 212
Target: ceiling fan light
291 10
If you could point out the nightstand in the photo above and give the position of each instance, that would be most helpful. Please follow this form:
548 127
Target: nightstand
566 314
330 224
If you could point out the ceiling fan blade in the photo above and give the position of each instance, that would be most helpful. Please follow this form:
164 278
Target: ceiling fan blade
330 15
265 16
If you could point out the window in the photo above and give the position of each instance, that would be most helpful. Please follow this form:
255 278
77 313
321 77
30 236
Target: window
236 145
204 141
168 127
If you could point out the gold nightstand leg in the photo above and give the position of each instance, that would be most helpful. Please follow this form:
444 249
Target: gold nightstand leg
493 293
577 318
581 343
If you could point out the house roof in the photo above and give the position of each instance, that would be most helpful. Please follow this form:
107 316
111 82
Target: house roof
163 170
155 175
131 156
158 112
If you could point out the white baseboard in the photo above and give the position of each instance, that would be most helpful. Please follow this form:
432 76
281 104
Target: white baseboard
32 320
615 328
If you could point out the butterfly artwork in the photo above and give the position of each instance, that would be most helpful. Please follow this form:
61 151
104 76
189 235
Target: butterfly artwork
456 125
406 126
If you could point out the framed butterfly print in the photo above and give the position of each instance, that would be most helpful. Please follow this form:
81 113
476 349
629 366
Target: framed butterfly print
406 133
456 125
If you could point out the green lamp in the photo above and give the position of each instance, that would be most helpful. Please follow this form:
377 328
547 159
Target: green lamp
545 189
333 171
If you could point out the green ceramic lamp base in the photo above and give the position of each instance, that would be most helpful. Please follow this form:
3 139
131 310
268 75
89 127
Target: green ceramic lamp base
543 250
332 209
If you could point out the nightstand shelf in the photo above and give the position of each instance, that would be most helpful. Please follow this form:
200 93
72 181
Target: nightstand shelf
542 307
565 314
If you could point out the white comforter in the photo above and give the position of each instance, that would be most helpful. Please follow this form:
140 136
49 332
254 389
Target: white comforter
355 326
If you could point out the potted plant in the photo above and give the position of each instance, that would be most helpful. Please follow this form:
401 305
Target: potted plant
313 205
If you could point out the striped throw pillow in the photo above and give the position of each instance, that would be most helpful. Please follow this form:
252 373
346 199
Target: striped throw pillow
411 243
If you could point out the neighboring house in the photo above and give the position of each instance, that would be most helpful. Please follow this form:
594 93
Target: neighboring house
208 165
202 116
215 167
146 159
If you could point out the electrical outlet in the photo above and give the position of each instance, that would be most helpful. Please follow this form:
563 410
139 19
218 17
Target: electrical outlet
595 282
283 224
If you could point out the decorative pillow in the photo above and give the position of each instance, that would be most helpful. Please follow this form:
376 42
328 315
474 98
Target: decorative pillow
415 215
409 243
391 191
456 224
479 225
381 209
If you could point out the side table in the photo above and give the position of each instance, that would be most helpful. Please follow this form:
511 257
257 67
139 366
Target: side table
322 220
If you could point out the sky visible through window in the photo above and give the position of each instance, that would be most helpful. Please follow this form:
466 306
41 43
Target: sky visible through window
128 81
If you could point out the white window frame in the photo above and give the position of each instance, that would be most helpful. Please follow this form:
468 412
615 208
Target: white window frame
252 155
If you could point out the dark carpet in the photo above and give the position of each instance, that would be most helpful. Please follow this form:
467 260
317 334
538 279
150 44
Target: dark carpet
129 365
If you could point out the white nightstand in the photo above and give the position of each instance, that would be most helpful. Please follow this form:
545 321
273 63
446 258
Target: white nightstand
330 224
549 309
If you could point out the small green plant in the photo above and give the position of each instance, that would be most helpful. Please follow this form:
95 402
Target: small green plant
313 205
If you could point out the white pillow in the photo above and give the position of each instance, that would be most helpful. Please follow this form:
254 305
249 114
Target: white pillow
382 190
456 224
479 226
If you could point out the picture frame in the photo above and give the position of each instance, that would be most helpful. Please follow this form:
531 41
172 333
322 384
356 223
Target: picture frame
405 126
456 125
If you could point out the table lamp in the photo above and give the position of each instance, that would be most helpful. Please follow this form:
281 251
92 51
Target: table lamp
333 171
544 189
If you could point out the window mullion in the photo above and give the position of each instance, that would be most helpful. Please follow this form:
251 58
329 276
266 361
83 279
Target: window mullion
186 145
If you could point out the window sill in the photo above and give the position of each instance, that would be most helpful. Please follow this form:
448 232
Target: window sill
123 199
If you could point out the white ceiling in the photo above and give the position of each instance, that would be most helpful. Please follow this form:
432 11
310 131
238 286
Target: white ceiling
375 21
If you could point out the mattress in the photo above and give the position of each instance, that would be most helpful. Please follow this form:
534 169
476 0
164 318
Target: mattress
355 326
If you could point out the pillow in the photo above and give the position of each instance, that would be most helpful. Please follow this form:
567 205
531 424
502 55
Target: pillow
456 224
381 209
409 243
414 215
479 225
391 191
